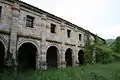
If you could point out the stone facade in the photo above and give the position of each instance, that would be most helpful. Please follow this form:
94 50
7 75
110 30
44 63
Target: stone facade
14 33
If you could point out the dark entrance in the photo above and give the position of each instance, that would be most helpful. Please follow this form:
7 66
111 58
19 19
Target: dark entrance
27 56
2 53
52 57
81 57
68 57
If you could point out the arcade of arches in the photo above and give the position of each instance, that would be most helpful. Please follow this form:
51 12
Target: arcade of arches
26 57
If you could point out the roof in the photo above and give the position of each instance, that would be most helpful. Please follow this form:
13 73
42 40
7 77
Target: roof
33 8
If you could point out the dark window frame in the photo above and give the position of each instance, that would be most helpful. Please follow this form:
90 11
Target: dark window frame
53 28
29 21
68 33
0 12
80 37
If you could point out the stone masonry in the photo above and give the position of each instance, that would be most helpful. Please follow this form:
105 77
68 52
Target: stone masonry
48 34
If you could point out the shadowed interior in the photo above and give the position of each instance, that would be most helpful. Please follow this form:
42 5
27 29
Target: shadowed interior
68 57
52 57
2 53
81 57
27 56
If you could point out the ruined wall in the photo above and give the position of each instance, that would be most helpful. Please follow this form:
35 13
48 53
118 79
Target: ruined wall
14 33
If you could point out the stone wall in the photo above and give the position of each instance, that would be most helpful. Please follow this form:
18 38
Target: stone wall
14 33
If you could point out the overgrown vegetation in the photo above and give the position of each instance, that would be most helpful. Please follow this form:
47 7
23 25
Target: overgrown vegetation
88 72
104 57
100 53
116 45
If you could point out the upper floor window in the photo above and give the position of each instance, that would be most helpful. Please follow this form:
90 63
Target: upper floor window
53 26
68 33
0 11
29 21
80 37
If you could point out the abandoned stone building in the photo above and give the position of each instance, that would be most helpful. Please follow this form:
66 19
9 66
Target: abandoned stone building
33 38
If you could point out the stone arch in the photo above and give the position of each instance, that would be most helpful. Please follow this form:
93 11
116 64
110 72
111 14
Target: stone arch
2 56
5 43
52 57
81 57
26 56
28 41
3 51
68 57
3 40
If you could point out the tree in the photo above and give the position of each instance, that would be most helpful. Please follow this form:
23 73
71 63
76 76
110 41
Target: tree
116 45
103 54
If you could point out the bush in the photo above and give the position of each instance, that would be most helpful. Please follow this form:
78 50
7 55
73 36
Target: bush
103 55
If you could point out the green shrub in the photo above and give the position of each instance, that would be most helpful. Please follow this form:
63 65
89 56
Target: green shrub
103 55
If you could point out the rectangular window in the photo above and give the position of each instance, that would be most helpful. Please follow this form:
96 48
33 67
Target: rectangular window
29 21
53 26
80 37
68 33
0 12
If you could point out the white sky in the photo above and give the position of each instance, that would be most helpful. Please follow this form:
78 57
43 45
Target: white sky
101 17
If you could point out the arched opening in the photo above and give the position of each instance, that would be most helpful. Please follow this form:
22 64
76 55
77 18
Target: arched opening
68 57
2 54
27 56
52 58
81 57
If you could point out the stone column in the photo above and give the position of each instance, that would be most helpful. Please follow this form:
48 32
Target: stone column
76 56
42 61
75 63
11 55
62 61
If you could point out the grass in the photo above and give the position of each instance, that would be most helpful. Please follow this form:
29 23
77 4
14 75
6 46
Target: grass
88 72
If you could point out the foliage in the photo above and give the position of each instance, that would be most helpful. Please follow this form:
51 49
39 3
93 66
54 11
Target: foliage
103 55
116 45
92 49
88 72
110 52
89 54
116 57
109 43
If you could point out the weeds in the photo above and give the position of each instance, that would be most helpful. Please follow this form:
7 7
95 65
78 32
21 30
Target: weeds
88 72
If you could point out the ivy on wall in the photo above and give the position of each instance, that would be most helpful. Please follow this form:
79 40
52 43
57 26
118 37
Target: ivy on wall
92 50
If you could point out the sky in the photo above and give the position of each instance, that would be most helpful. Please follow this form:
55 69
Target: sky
101 17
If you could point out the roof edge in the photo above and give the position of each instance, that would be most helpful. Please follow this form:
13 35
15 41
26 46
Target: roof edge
38 10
